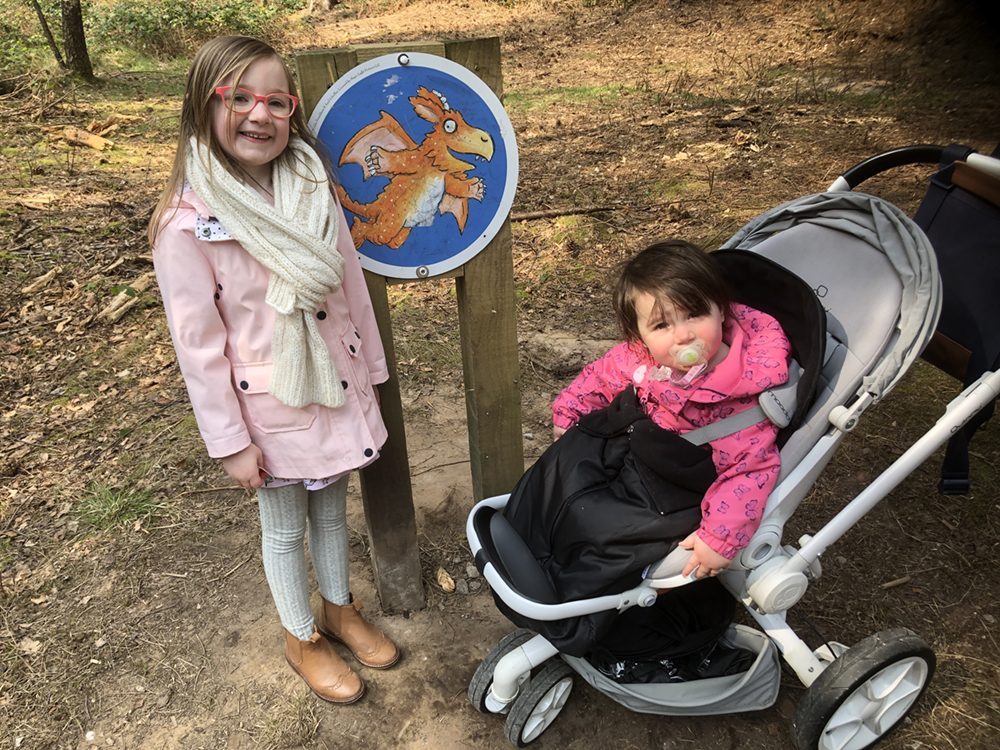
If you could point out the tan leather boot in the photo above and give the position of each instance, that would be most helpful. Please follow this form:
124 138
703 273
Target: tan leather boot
323 670
343 623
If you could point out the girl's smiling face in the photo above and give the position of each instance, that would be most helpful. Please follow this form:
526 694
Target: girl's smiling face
253 139
666 330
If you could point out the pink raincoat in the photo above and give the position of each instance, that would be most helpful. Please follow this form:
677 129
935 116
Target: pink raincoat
747 461
213 292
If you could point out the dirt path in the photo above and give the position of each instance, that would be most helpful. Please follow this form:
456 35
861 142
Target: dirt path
689 117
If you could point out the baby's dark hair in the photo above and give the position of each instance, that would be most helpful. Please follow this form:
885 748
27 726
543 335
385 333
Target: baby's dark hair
673 270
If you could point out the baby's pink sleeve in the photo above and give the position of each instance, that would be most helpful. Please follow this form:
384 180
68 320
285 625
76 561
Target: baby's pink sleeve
748 464
594 388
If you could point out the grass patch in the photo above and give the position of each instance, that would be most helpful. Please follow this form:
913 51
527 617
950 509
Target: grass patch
581 231
599 97
567 255
425 328
6 548
677 188
578 278
105 507
289 722
140 79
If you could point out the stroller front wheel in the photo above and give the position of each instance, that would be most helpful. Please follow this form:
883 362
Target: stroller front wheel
482 680
864 693
539 703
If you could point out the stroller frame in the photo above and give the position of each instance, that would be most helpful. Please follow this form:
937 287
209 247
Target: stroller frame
884 674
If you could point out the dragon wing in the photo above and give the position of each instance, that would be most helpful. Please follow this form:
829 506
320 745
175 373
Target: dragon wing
459 207
386 133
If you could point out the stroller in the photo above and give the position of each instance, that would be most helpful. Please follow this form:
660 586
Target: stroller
875 275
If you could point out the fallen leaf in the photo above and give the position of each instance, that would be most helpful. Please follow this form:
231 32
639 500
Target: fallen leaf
37 201
445 581
29 646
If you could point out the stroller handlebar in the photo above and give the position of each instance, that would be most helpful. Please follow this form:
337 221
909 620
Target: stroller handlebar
897 157
643 595
984 163
666 574
920 154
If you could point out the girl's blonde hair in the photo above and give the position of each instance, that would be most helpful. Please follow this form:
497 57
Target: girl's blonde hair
221 59
669 270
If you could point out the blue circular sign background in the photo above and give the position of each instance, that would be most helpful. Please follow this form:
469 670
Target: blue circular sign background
383 84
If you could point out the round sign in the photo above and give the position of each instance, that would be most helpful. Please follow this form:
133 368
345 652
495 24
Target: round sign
425 158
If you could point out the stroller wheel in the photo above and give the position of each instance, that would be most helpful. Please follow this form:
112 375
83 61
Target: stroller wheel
864 693
479 686
539 703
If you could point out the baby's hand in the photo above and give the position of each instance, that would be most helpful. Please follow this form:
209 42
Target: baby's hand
557 432
245 467
704 560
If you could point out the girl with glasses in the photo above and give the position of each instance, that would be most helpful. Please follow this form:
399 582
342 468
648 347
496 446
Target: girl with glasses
275 338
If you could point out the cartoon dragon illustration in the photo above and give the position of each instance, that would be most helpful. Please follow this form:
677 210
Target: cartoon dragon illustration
425 179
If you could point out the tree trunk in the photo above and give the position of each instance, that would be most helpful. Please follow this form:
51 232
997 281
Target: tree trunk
48 34
74 40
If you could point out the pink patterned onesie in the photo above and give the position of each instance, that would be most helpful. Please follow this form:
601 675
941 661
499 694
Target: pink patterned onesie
747 461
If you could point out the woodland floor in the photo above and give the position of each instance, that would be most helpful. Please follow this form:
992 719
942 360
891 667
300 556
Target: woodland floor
682 118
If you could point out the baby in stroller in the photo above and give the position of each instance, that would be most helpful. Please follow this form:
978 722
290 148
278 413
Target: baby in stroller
662 443
693 358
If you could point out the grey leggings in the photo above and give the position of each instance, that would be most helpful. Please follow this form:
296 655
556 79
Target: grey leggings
283 515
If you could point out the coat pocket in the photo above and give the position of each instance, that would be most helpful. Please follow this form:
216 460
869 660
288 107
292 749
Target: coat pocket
262 410
351 342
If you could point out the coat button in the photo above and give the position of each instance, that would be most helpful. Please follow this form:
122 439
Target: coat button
220 287
206 232
321 315
358 335
351 347
244 385
369 452
217 295
343 384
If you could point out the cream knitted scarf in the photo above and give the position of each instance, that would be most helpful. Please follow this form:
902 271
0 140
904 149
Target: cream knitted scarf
296 240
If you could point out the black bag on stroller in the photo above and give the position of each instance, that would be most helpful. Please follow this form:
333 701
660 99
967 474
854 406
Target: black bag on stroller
960 214
675 640
612 495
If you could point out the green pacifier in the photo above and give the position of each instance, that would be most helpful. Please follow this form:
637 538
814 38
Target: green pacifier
689 356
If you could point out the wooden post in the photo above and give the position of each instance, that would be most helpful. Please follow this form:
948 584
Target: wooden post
488 323
488 327
386 491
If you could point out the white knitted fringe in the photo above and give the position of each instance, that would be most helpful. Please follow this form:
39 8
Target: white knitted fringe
295 239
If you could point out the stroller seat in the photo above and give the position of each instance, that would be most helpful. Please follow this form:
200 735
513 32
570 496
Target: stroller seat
862 293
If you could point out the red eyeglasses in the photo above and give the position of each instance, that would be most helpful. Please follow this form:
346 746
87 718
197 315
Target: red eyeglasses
240 100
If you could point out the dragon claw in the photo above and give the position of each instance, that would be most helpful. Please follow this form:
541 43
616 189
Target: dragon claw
372 161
